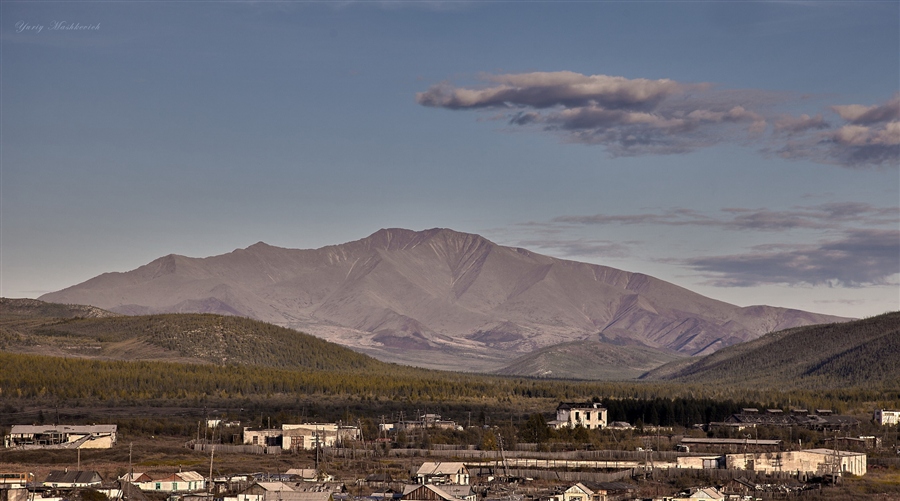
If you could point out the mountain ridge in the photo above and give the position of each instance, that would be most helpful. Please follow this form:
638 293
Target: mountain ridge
860 352
423 297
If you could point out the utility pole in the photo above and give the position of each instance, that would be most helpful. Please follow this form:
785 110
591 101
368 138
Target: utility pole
317 452
130 466
212 453
503 456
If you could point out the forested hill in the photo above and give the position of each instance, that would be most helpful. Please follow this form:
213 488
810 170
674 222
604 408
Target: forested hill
859 353
30 326
41 309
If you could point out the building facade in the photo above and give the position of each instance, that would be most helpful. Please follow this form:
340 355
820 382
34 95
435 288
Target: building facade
443 473
818 462
301 436
887 417
186 481
588 415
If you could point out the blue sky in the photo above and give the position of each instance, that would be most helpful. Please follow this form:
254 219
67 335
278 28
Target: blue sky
745 150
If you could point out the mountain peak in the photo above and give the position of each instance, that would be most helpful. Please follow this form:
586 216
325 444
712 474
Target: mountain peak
400 238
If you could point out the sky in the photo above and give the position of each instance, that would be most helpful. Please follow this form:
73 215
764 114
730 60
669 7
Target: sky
747 151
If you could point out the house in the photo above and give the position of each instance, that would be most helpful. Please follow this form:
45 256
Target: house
589 415
280 491
703 494
98 436
581 492
464 492
264 491
304 474
443 473
431 492
185 481
887 417
135 477
65 479
379 480
230 483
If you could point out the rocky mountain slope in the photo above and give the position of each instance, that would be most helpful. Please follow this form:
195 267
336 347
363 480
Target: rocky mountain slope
436 298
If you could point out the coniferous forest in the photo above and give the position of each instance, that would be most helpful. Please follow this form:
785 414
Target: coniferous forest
205 361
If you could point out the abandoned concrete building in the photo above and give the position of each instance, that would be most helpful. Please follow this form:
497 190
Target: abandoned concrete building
589 415
98 436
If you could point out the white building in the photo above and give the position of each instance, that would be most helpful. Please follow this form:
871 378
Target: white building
819 462
588 415
98 436
443 473
307 436
302 436
886 417
186 481
580 492
703 494
431 492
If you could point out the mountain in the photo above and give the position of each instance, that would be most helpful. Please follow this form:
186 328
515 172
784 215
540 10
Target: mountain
859 353
436 298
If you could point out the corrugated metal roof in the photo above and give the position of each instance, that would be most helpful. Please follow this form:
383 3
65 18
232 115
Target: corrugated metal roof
25 429
729 441
440 468
73 477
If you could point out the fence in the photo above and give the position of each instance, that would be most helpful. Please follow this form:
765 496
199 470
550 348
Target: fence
565 476
470 453
233 449
886 462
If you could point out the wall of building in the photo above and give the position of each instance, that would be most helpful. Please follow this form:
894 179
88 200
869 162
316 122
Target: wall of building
887 417
810 462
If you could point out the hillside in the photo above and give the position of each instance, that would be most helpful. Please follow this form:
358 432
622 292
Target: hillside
859 353
436 298
40 309
27 326
589 360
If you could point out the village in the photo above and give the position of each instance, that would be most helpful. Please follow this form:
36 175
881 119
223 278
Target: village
715 461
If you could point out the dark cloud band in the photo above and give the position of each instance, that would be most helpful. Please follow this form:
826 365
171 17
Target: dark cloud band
630 117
